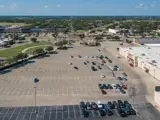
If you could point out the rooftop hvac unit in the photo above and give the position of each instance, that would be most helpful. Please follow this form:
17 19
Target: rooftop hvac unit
143 54
153 61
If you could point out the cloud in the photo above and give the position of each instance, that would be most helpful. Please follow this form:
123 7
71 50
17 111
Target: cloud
58 5
153 4
46 6
1 6
141 5
13 6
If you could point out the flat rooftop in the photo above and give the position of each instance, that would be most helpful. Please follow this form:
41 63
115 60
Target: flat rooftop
150 54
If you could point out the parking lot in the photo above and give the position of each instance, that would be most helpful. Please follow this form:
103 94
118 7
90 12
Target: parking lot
70 112
58 79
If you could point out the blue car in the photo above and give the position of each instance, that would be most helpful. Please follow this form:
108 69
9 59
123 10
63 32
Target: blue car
108 111
75 67
85 63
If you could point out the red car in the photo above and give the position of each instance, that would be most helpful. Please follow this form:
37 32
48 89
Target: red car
103 92
124 87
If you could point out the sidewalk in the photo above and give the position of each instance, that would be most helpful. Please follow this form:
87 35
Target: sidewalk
151 101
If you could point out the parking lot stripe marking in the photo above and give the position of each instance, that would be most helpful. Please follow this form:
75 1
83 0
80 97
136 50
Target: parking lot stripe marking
12 114
31 113
19 113
74 111
116 112
5 114
56 113
68 112
62 112
93 114
80 111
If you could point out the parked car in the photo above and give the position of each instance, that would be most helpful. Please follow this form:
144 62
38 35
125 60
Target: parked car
75 67
114 86
83 105
102 76
105 86
93 63
100 105
84 63
99 67
87 56
110 105
119 78
124 74
122 113
106 57
93 68
133 112
69 63
124 87
110 61
127 111
71 56
103 92
100 86
79 56
115 104
108 111
102 112
124 78
122 91
118 86
94 106
89 106
120 104
85 113
109 86
87 61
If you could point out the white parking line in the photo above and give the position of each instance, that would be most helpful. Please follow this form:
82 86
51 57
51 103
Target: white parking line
4 91
28 91
12 114
44 112
93 114
68 113
116 112
56 113
31 113
6 114
19 113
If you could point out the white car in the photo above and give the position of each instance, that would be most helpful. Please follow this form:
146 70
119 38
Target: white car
69 63
114 86
87 56
102 76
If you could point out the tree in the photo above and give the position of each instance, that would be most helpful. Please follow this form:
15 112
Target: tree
61 43
38 51
34 39
10 60
49 48
2 64
21 56
82 36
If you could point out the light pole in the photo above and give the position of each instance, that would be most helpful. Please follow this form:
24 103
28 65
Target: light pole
36 80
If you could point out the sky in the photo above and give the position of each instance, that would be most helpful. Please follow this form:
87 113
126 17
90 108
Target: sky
80 7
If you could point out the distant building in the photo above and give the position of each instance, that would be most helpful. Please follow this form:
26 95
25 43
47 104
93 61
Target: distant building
147 40
145 57
113 30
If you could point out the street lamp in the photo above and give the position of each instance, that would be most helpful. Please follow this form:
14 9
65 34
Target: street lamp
36 80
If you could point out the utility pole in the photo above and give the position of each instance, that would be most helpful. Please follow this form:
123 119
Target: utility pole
36 80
